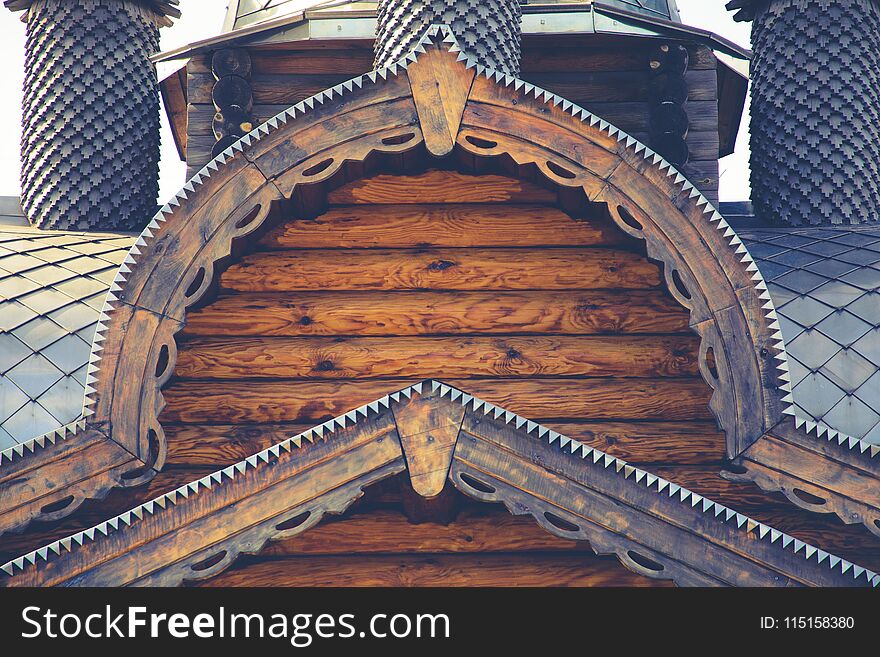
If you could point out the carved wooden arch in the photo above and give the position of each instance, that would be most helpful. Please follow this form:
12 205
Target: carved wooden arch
434 101
440 103
437 434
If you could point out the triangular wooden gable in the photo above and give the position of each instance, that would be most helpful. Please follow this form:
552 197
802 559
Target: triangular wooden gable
435 432
438 99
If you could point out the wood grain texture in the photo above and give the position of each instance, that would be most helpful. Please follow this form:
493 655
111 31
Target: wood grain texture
509 356
440 93
428 428
441 269
226 402
437 186
438 313
443 225
446 570
669 443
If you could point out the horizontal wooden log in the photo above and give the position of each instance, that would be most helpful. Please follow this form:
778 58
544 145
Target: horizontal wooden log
536 60
440 187
464 357
703 174
233 402
502 570
334 58
441 269
477 528
452 225
355 61
702 145
669 443
433 313
577 86
272 89
629 116
581 88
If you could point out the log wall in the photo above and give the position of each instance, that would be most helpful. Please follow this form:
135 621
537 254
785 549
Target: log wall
485 282
611 80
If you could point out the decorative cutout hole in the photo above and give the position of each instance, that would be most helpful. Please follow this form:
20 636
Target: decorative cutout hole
54 507
249 219
210 562
197 281
736 469
398 139
481 143
162 362
877 523
711 364
476 484
318 168
293 523
628 219
153 441
645 562
562 172
809 498
679 284
561 523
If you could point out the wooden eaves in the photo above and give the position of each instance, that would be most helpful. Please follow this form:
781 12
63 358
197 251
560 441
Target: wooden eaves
434 432
440 100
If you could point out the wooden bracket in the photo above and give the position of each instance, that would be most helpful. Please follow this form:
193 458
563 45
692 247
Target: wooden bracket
428 427
440 88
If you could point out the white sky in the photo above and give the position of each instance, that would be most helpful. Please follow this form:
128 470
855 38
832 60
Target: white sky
204 18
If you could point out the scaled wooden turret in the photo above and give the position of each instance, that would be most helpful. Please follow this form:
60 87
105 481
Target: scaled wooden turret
90 138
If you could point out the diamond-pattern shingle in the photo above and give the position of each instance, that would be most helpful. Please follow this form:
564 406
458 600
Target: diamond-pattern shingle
47 327
829 315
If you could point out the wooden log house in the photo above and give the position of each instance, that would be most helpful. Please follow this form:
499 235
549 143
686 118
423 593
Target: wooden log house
466 318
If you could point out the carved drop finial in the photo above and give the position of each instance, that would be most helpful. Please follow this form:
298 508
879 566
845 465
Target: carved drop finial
428 427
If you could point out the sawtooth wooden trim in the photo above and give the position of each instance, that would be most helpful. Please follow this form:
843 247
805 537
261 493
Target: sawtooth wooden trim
702 271
54 481
813 475
327 138
433 431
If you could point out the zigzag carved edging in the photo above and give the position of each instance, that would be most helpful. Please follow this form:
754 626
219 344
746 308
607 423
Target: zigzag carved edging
574 448
712 215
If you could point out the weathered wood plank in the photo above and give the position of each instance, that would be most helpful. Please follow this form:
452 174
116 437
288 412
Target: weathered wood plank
225 402
668 443
517 470
588 57
364 358
486 528
485 570
630 116
615 86
447 225
441 269
432 313
428 429
440 187
577 86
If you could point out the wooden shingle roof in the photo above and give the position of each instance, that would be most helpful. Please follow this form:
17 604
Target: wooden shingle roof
166 10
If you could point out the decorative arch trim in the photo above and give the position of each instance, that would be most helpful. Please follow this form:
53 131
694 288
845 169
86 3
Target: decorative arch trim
437 98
